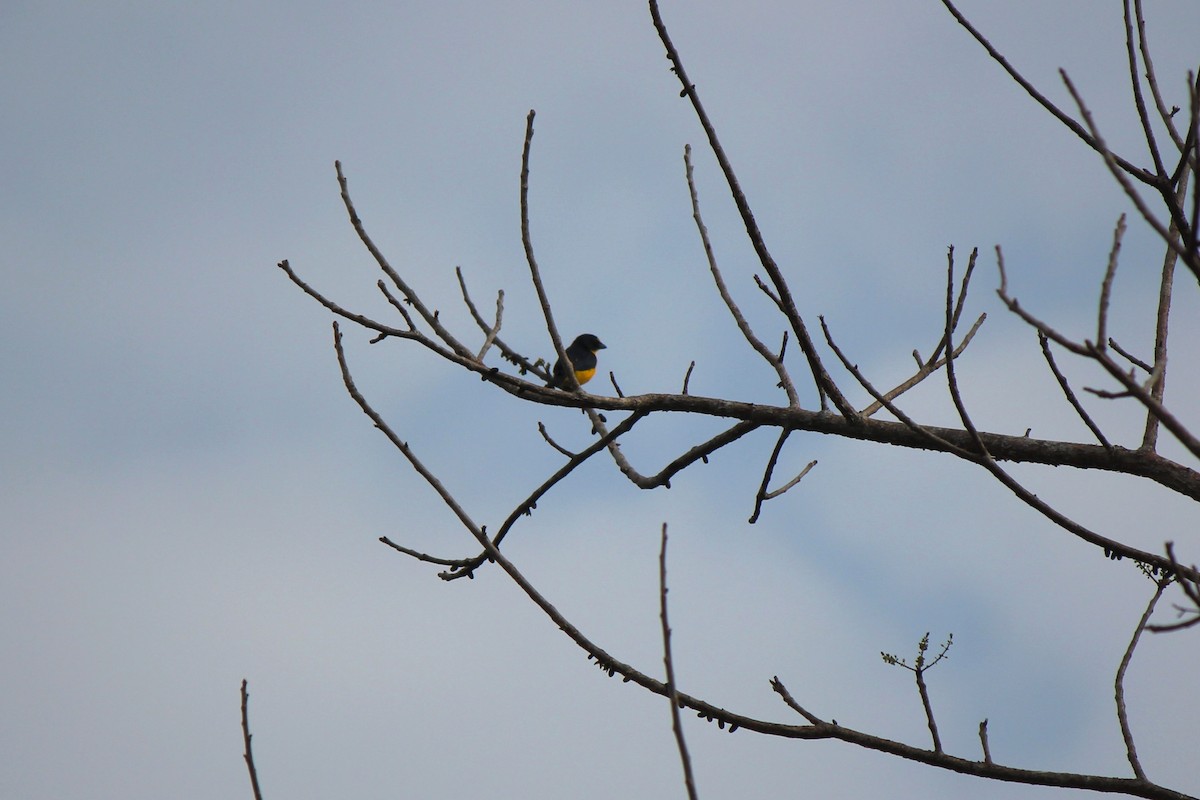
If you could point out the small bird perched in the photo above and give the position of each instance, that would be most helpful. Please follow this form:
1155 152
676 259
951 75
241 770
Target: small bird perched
582 353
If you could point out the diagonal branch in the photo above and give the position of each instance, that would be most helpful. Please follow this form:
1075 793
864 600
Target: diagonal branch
1087 138
510 355
819 730
785 380
1069 393
1185 251
1152 80
823 381
410 297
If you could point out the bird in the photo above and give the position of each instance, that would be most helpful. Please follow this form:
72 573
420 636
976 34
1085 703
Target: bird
582 353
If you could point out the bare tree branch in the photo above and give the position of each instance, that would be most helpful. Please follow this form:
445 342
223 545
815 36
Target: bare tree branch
785 380
1136 83
1165 290
246 737
672 695
1186 250
1079 130
1070 395
787 303
534 273
422 325
983 742
1167 116
1122 713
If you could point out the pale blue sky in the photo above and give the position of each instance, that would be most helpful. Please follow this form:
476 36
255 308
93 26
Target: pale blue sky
188 497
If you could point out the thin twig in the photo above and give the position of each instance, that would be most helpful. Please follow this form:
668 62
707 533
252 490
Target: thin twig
781 690
1130 357
1070 395
1153 405
984 458
1167 116
672 693
529 503
612 378
246 737
785 379
983 741
925 703
453 563
506 352
546 435
924 431
1106 285
494 329
771 495
1119 683
761 494
570 384
924 369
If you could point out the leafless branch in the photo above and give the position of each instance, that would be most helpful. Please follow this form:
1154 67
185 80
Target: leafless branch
785 380
1190 584
824 383
782 691
410 297
1167 116
546 435
763 495
672 694
936 360
506 352
1070 395
1136 84
966 441
983 742
1166 288
1087 138
1106 286
687 377
249 754
924 369
919 667
1188 255
1119 683
534 273
1130 357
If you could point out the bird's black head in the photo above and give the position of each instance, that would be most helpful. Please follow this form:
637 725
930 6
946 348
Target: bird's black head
588 342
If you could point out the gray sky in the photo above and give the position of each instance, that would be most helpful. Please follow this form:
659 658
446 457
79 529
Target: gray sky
188 497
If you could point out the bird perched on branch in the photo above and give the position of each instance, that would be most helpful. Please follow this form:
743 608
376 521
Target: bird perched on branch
582 353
